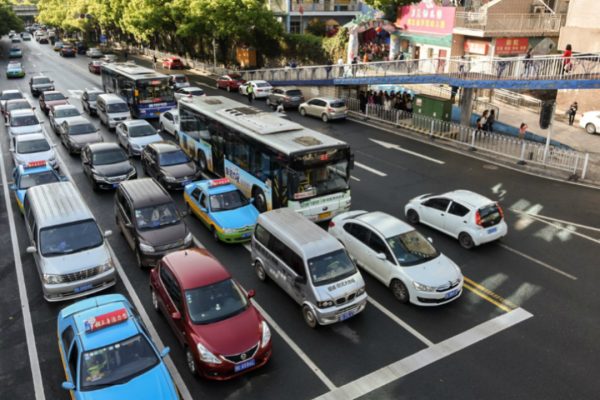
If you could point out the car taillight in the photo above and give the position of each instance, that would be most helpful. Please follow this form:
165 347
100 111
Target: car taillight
286 98
331 224
329 109
500 211
477 218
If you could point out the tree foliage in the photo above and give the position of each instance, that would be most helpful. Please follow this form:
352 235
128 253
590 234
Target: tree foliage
336 46
316 27
8 20
389 7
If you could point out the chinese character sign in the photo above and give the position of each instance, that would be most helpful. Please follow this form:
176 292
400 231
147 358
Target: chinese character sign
508 46
423 18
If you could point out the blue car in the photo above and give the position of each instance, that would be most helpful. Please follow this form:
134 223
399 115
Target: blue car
32 174
107 354
224 210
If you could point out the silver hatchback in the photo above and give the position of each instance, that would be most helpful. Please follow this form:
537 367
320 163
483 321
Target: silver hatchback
326 108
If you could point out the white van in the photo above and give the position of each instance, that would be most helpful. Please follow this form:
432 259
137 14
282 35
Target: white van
310 265
70 252
111 110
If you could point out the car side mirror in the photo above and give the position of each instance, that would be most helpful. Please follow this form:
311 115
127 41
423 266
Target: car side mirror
68 386
12 187
165 352
107 233
430 239
176 316
381 256
63 178
251 293
31 250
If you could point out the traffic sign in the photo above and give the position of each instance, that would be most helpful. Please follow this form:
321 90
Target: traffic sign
103 39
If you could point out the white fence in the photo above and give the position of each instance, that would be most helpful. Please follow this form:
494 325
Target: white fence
522 151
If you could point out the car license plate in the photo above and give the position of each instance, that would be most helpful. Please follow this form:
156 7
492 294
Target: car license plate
245 365
451 293
324 215
115 185
245 235
492 230
184 183
83 288
346 315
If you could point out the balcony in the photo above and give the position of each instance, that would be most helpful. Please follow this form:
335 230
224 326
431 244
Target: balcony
327 6
484 24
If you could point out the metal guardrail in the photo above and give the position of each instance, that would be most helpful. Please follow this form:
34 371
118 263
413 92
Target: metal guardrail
517 100
446 92
509 23
519 150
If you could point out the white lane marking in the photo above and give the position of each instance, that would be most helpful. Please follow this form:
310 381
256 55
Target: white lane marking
367 168
36 373
178 380
562 221
414 153
425 357
536 261
355 178
403 324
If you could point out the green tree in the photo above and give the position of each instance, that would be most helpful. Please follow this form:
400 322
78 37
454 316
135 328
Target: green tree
389 7
9 20
316 27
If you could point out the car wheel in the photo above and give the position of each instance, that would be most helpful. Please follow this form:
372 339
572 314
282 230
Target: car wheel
466 241
138 258
95 186
590 128
309 316
191 363
260 201
303 112
324 118
413 217
399 291
260 271
228 88
154 300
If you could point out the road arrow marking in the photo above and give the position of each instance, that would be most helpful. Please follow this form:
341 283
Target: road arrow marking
397 147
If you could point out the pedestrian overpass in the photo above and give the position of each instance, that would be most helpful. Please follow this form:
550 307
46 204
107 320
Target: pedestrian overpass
516 73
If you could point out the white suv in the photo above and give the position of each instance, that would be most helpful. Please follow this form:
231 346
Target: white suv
470 217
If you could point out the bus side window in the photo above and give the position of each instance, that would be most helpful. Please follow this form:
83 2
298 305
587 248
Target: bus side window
261 165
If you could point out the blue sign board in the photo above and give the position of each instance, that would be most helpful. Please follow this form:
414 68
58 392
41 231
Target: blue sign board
103 39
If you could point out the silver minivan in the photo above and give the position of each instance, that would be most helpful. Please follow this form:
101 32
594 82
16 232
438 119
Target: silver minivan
70 252
111 110
310 265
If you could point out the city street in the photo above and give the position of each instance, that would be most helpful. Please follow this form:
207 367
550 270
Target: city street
525 326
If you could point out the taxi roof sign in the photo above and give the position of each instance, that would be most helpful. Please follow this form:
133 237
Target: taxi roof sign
105 320
35 164
219 182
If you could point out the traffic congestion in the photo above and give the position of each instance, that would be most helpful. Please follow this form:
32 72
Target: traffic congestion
257 236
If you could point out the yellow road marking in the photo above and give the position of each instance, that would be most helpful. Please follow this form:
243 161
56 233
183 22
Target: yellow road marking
488 295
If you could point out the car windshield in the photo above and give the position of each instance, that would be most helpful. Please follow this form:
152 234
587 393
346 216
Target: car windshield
154 90
173 158
293 93
116 363
234 77
32 146
41 178
11 96
411 248
227 201
215 302
321 179
117 107
330 267
92 96
40 81
70 238
66 112
24 120
111 156
82 129
490 215
195 92
156 216
17 105
141 130
14 67
54 96
262 84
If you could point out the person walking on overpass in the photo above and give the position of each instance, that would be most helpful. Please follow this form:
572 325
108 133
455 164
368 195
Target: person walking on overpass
528 62
567 64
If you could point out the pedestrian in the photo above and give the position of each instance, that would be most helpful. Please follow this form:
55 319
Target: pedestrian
362 100
340 63
481 121
409 104
572 112
328 68
453 93
489 125
522 130
154 60
567 65
354 66
250 93
462 65
126 55
527 62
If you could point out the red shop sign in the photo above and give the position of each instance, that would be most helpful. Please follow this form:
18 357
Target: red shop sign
511 46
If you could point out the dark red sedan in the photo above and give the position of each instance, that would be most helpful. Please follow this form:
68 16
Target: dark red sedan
52 98
95 67
173 63
211 315
230 82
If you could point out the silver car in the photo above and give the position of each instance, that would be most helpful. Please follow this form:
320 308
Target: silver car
23 122
33 147
136 134
59 114
76 133
326 108
94 52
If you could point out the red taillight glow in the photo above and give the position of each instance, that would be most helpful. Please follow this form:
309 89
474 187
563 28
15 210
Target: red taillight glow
329 109
500 211
477 218
331 224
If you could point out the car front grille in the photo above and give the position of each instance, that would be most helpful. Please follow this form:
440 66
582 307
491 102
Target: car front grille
345 299
160 249
81 275
241 357
447 286
113 179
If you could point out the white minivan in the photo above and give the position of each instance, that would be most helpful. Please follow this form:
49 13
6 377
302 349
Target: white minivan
111 110
310 265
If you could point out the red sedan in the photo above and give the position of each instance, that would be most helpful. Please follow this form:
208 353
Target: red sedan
95 67
52 98
172 63
230 82
211 315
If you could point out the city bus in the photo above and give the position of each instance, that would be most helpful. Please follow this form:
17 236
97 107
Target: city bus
146 91
274 161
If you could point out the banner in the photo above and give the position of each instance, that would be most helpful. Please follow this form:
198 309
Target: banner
426 18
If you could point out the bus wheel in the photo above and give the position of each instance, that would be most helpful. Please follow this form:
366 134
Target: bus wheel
202 161
260 201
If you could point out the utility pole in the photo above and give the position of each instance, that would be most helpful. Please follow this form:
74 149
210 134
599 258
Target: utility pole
214 43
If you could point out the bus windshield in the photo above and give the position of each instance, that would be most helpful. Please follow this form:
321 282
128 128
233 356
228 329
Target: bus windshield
320 179
154 91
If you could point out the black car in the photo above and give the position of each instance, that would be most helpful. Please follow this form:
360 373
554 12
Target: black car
88 100
68 50
39 84
107 165
169 165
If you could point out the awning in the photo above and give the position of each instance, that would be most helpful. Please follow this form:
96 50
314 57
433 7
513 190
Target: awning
433 40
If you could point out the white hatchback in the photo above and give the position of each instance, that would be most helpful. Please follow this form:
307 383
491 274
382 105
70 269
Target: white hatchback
470 217
169 121
399 257
261 89
590 121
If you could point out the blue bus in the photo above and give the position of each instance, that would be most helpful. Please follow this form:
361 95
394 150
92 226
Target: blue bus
146 91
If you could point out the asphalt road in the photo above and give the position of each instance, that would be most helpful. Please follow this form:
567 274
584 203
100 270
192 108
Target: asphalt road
525 327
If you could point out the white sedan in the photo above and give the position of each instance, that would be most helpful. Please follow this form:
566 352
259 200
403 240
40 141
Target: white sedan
134 135
169 121
399 257
590 121
189 92
470 217
261 89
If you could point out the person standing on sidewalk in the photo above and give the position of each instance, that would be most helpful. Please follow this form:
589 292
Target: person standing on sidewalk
154 60
482 121
523 130
489 125
572 112
250 93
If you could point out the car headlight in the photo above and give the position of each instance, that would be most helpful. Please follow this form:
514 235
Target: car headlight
424 288
229 231
188 239
325 304
107 266
169 179
146 248
131 173
98 177
135 146
206 356
360 291
266 335
52 279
